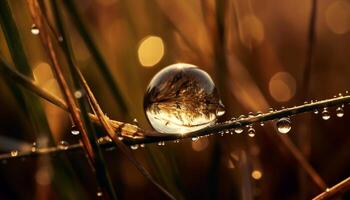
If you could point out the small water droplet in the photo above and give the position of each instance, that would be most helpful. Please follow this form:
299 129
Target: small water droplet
78 94
135 121
325 114
305 102
99 194
262 124
142 145
74 130
340 112
251 132
340 94
14 153
182 98
327 189
270 110
161 143
176 141
195 138
250 114
316 112
63 145
283 125
35 30
34 147
120 138
134 147
346 92
239 130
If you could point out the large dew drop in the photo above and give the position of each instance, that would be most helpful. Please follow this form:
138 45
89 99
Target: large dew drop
182 98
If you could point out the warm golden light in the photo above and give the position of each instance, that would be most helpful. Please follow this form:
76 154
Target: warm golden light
150 51
256 174
282 86
42 73
252 31
338 17
200 144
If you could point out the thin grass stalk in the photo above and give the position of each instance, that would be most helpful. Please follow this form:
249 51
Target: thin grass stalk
101 63
88 139
335 190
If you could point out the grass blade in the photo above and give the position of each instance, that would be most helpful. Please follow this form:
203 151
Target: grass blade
101 63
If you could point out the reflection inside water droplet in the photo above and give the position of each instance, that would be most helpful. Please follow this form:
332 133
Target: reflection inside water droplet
251 132
325 114
34 30
283 125
340 112
63 145
182 98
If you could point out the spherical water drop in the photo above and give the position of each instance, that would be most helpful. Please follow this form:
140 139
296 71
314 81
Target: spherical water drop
340 112
270 110
134 147
63 145
135 121
35 30
283 125
195 139
120 138
74 130
262 124
161 143
315 111
176 141
182 98
142 145
325 114
78 94
251 132
14 153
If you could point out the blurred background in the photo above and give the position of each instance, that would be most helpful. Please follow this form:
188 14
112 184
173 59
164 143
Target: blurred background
256 53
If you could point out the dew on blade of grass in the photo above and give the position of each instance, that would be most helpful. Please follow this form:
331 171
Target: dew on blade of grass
34 30
251 132
182 98
340 112
283 125
161 143
325 114
134 147
262 124
74 130
316 112
195 139
63 145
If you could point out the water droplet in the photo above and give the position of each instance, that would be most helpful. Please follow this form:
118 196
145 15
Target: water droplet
305 102
340 112
346 92
14 153
262 124
325 114
195 138
250 114
270 110
78 94
316 112
283 125
74 130
182 98
34 147
327 189
176 141
35 30
220 111
134 147
99 194
135 121
63 145
120 138
142 145
227 131
161 143
238 130
251 132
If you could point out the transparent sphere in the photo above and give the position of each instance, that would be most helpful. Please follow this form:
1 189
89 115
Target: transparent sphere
182 98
